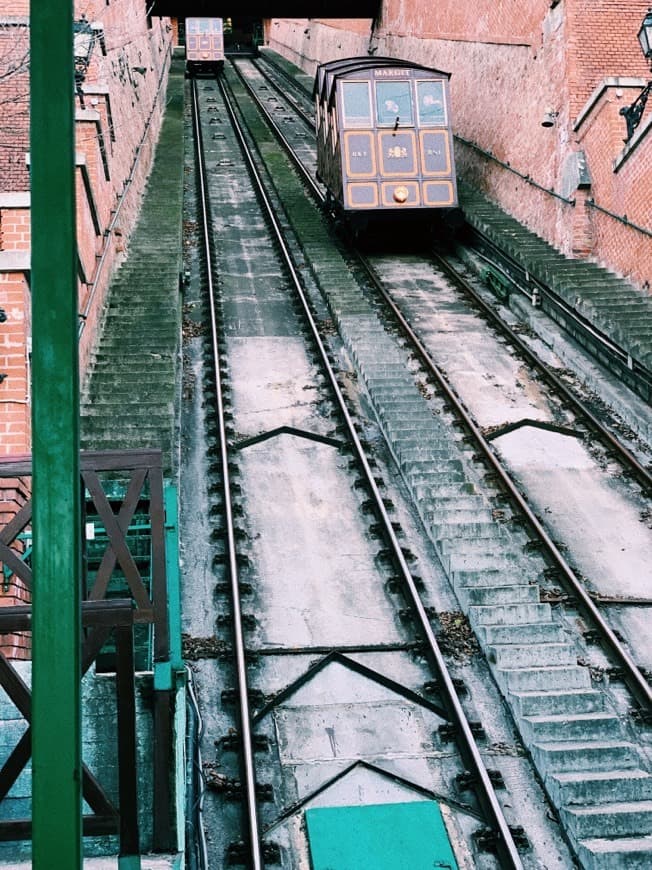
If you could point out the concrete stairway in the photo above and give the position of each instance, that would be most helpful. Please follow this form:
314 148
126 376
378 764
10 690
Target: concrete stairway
593 772
609 302
129 398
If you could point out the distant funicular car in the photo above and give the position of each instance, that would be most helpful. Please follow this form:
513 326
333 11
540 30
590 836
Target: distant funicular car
384 141
204 45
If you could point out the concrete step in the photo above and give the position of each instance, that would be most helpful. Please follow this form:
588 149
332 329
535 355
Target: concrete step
570 702
426 486
565 756
465 503
156 359
581 726
530 633
400 431
117 406
377 375
509 614
456 532
623 853
460 491
401 401
150 384
498 548
600 787
494 577
508 656
551 678
431 460
419 418
461 516
629 819
492 595
449 469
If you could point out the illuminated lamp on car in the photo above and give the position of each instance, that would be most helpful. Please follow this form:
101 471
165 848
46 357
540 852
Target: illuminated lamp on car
401 193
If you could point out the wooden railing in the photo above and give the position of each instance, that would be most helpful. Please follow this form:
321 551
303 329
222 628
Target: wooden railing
141 471
100 619
141 482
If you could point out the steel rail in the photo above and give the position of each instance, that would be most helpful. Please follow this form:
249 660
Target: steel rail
247 757
286 95
634 679
643 475
469 751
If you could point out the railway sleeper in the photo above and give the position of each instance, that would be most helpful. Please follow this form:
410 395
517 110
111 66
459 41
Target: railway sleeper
467 780
487 839
230 695
432 687
448 731
237 853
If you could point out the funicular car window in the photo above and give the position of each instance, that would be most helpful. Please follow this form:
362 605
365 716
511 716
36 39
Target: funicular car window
205 25
394 100
430 98
356 104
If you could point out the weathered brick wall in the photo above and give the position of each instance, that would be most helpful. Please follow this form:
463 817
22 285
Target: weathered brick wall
510 62
14 229
14 102
624 183
309 42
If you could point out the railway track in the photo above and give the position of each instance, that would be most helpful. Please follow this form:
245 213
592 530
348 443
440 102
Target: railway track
451 706
506 275
492 563
578 418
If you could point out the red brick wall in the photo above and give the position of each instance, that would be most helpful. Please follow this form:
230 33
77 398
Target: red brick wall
14 229
14 492
603 43
510 61
15 425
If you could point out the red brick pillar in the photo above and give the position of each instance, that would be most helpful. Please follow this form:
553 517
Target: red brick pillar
14 493
582 233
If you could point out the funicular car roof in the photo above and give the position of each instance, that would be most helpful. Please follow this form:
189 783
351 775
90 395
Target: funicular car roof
329 73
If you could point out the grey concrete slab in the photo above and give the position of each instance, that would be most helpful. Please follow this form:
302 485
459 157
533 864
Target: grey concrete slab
593 510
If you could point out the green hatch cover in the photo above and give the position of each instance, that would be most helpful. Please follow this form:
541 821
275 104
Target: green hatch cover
379 836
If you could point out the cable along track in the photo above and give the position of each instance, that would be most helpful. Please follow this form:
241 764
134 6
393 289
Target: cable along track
585 752
497 833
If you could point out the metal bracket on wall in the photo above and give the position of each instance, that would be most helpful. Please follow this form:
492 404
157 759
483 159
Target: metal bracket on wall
633 114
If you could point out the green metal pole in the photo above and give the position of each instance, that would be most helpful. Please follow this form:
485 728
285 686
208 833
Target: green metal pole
56 722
